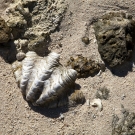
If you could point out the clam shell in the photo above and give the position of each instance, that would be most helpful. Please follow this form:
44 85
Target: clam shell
43 80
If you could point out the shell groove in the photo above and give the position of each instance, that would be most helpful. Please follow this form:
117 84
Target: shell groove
43 80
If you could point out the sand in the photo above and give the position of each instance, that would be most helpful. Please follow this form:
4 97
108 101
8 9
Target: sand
17 117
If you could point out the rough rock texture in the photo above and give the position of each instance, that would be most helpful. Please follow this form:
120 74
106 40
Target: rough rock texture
102 93
33 21
76 98
85 67
5 32
125 126
115 34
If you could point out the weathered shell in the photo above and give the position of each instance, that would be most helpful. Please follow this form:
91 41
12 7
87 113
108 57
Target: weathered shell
43 80
20 56
97 103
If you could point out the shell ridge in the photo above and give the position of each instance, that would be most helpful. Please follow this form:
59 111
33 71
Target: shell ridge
28 64
43 80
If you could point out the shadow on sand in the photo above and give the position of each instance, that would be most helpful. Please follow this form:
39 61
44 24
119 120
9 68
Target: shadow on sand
52 112
8 52
123 69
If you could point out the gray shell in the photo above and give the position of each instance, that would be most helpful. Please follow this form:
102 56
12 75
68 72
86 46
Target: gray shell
43 80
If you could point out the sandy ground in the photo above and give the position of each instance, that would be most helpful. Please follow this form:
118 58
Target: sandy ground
18 118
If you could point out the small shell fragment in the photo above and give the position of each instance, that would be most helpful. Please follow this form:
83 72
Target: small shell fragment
97 103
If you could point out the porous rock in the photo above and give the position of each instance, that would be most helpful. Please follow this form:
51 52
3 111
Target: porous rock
5 32
125 125
84 66
76 97
34 20
115 34
102 93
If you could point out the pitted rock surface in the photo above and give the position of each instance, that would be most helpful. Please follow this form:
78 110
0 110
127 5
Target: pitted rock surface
115 34
85 67
4 31
33 21
125 125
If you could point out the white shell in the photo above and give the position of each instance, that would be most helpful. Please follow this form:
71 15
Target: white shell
43 80
97 103
20 56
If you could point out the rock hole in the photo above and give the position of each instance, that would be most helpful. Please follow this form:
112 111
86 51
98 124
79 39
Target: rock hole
104 37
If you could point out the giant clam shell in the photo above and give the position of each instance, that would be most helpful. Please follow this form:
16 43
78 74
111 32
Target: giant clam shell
43 80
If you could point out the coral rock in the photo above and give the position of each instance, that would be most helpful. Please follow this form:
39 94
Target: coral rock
85 67
102 93
43 80
5 32
124 126
115 34
20 56
34 20
85 40
76 97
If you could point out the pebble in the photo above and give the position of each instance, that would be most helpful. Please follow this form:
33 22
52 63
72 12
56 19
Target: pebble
60 44
123 96
85 40
88 102
93 116
61 116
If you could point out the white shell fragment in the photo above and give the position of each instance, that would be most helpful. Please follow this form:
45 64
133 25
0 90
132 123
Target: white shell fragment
97 103
43 80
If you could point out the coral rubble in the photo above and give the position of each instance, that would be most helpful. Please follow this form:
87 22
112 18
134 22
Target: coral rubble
33 21
5 32
102 93
115 34
85 67
125 126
